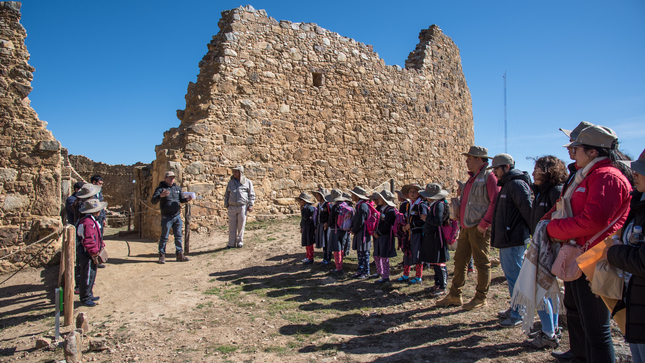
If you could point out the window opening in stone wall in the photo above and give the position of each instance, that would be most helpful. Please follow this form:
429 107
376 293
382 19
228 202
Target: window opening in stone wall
319 79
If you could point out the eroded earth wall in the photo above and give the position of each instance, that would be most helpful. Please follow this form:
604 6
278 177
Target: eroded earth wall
30 156
301 106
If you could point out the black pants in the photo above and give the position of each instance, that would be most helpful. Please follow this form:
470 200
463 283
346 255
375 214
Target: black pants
588 322
87 276
440 276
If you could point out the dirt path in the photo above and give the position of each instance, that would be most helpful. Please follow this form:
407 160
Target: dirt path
258 304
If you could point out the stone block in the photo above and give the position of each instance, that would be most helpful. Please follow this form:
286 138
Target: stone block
195 168
201 188
13 202
83 322
98 344
49 145
73 347
42 343
8 175
9 235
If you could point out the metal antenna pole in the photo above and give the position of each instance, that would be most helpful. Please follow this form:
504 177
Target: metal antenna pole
505 121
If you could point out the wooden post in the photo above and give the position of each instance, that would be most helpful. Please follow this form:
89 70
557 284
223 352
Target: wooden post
187 239
70 258
392 185
129 215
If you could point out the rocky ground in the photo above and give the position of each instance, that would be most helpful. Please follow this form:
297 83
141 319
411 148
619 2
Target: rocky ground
257 304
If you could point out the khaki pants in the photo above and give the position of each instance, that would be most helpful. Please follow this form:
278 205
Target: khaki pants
236 223
472 242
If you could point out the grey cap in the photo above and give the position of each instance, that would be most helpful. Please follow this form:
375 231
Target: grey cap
502 159
92 205
638 165
477 151
572 134
596 135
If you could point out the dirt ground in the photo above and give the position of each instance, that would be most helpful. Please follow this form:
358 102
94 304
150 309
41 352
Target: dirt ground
259 304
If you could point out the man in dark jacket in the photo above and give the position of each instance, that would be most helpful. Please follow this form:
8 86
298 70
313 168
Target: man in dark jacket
69 204
170 196
510 228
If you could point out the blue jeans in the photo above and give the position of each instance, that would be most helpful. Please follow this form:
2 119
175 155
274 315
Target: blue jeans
511 260
548 319
175 223
638 352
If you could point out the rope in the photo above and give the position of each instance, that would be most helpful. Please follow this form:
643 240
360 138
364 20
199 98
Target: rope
40 240
25 265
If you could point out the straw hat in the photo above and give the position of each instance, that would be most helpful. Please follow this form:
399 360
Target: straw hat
434 191
388 197
88 190
92 205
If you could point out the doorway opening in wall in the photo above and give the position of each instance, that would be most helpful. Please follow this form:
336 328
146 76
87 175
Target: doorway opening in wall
319 79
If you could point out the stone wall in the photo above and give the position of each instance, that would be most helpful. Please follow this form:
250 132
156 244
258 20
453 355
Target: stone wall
30 156
301 106
118 186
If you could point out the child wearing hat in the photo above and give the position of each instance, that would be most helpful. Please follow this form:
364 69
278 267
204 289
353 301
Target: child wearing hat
418 213
404 208
337 235
384 245
362 242
434 247
321 221
307 227
86 192
91 243
348 238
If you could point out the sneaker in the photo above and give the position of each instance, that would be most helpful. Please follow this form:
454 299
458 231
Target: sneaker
568 355
77 291
511 322
438 292
181 257
96 298
449 300
307 262
382 281
475 303
325 262
239 245
162 258
543 341
89 303
504 314
414 280
403 279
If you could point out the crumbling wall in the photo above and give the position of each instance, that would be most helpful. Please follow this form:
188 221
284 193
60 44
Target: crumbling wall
301 106
30 156
118 180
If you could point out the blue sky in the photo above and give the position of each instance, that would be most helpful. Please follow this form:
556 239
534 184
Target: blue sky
110 75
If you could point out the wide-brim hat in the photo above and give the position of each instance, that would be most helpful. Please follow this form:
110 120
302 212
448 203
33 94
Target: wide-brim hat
502 159
434 191
374 196
596 135
347 197
336 195
400 194
360 193
239 168
406 188
88 190
572 134
92 206
388 197
477 151
306 197
637 165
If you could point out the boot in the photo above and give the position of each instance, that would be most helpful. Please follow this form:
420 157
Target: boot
449 300
476 302
181 257
162 258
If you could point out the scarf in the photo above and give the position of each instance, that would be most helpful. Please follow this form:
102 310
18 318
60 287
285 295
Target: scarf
536 282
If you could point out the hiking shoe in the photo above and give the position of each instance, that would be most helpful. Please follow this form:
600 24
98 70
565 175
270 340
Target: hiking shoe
403 279
308 262
475 303
162 258
415 280
568 355
382 281
510 322
504 314
95 298
450 300
543 341
181 257
89 303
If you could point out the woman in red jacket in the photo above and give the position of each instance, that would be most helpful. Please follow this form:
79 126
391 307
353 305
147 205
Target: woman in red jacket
599 196
91 242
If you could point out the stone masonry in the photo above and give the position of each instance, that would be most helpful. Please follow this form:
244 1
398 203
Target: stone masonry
30 156
301 106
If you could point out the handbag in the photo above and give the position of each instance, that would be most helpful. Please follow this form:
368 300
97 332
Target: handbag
565 266
606 281
102 256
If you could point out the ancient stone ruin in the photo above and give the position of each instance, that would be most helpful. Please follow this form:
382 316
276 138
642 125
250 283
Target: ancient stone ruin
31 168
301 106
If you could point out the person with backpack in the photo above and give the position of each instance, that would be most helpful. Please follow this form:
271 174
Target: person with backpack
403 236
434 246
363 225
510 229
87 191
339 214
321 219
347 242
418 208
307 226
384 244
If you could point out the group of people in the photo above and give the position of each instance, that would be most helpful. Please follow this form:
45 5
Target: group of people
499 206
85 209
